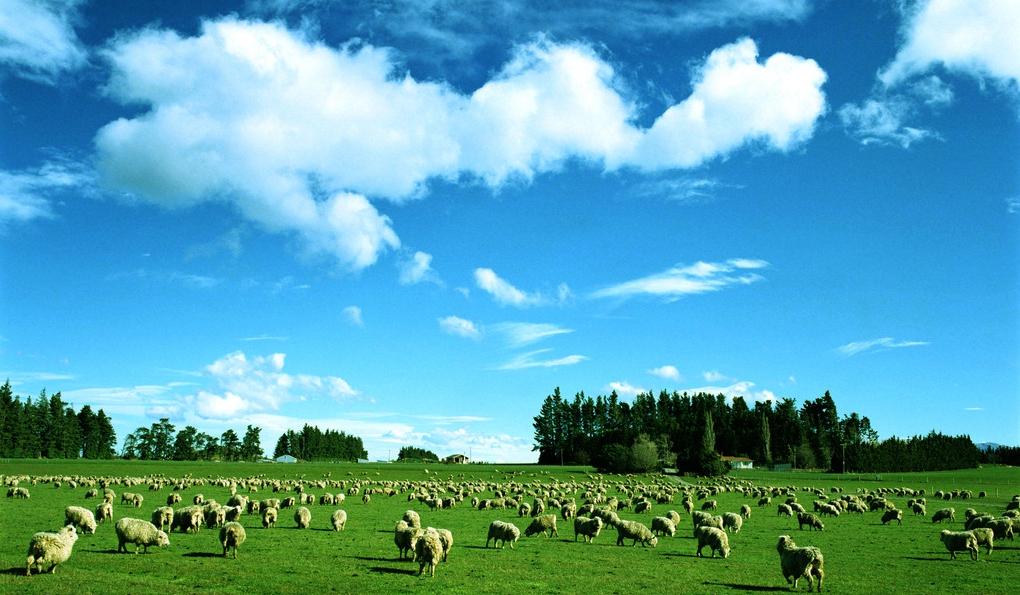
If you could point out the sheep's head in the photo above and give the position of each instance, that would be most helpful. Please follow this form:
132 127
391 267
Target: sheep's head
69 533
785 543
162 540
654 541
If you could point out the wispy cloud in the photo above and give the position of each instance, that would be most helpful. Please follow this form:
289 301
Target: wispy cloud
353 315
506 294
526 333
37 39
179 278
266 338
714 376
460 327
882 344
28 194
528 360
417 268
701 277
667 372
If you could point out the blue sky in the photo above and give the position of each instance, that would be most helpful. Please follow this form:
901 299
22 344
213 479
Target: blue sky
413 221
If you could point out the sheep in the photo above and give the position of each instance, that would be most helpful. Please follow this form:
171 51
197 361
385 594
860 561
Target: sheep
893 514
446 538
732 520
635 531
800 562
216 517
173 498
338 519
546 522
588 528
715 539
81 518
568 511
231 536
163 517
828 509
428 551
326 500
985 537
412 518
104 512
187 519
642 507
507 533
141 533
943 514
233 513
766 501
269 515
1002 528
303 517
664 526
918 509
812 521
958 541
709 505
673 516
745 511
50 548
709 521
608 516
18 493
524 510
404 537
784 510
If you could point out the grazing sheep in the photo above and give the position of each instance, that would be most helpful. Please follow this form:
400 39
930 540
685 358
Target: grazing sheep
784 510
173 498
404 537
1002 528
233 513
141 533
412 518
806 518
709 521
715 539
608 516
642 507
81 518
732 520
428 551
269 515
446 538
710 505
326 500
944 514
918 509
796 507
366 498
958 541
270 503
635 531
588 528
985 537
339 520
104 512
198 500
827 509
216 517
232 536
800 562
568 511
163 517
745 511
893 514
673 516
524 510
663 526
18 493
546 522
766 501
50 548
187 519
538 509
507 533
303 517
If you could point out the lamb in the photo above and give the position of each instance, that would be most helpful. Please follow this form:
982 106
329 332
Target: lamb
943 514
985 537
404 536
893 514
958 541
141 533
546 522
81 518
507 533
163 517
269 515
813 522
428 550
231 536
588 528
303 517
338 520
104 512
800 562
715 539
50 548
635 531
664 526
732 520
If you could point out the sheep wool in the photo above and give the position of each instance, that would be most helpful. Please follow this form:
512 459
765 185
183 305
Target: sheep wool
745 511
139 532
588 528
546 522
893 514
339 520
269 515
663 526
505 532
635 531
958 541
231 536
188 519
716 539
813 522
732 520
985 537
303 517
50 548
784 510
163 517
446 538
412 518
428 551
104 512
800 562
82 518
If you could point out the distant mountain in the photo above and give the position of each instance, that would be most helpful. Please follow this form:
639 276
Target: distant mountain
985 446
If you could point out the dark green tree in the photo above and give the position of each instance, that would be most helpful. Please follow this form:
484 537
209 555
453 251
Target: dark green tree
251 445
230 446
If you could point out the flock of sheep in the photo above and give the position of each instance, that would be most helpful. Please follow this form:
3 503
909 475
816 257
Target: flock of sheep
588 505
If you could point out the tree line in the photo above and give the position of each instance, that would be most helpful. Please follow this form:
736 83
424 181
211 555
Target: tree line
313 444
162 442
50 428
691 432
414 454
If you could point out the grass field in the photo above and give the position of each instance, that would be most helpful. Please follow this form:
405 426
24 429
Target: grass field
862 556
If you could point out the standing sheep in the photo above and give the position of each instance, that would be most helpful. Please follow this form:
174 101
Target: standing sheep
412 518
163 517
303 517
446 538
985 537
918 509
800 562
428 550
546 522
588 528
944 514
732 520
231 536
104 512
404 537
187 519
635 531
813 522
269 515
663 526
81 518
893 514
339 520
958 541
784 510
642 507
50 548
745 511
505 532
139 532
715 539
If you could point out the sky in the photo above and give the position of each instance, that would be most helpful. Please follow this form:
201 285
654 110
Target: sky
414 220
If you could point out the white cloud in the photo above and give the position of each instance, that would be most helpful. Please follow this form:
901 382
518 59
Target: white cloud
882 344
416 269
714 376
526 333
506 294
27 194
743 388
677 282
625 388
353 315
667 372
882 120
453 325
527 360
37 38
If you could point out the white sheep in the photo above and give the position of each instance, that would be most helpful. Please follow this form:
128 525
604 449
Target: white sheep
944 514
446 538
1002 528
81 518
546 522
958 541
104 512
588 528
404 537
139 532
635 531
163 517
338 519
985 537
642 507
918 509
187 519
505 532
303 517
732 520
50 548
412 518
784 510
663 526
800 562
745 511
231 536
428 551
714 538
269 515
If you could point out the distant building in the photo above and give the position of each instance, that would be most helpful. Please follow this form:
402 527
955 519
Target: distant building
285 459
456 459
739 462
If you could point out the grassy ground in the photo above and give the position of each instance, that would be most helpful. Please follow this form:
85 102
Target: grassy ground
862 555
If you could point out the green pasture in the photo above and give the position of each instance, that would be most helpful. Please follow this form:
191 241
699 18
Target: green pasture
861 555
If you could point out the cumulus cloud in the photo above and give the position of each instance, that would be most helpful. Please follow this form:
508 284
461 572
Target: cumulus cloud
417 268
882 344
37 38
667 372
453 325
743 388
625 389
677 282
